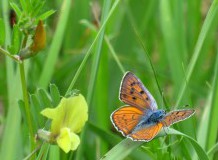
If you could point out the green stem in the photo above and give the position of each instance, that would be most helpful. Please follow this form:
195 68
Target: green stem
114 54
27 107
10 55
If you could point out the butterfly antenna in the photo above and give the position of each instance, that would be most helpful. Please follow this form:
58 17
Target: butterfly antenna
151 64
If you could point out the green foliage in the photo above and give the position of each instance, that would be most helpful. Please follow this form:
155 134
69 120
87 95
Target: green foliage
16 9
170 45
16 40
38 101
2 32
45 15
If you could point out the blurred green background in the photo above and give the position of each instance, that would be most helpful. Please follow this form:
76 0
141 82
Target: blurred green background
178 37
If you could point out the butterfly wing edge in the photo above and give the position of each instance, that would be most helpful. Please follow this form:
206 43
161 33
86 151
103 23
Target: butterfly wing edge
193 112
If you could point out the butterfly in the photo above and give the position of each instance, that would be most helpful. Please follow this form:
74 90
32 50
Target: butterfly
140 120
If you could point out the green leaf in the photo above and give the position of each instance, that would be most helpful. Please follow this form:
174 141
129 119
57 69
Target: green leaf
43 152
24 5
213 149
38 8
16 9
37 2
55 95
2 32
125 147
121 150
22 110
207 132
92 45
211 15
46 15
53 52
112 139
16 40
35 102
29 6
213 121
35 110
174 49
54 152
44 98
199 150
107 136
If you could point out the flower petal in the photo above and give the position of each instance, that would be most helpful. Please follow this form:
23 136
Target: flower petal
67 141
71 113
75 141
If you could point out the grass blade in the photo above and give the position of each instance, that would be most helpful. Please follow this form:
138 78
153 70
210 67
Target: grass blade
48 68
124 148
213 121
173 49
92 45
10 139
206 26
92 82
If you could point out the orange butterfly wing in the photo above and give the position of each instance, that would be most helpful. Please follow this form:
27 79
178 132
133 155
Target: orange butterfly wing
176 116
126 118
147 133
134 93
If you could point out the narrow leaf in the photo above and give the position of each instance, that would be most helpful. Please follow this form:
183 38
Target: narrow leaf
46 15
43 152
55 94
16 39
125 147
44 98
38 8
16 9
2 32
24 5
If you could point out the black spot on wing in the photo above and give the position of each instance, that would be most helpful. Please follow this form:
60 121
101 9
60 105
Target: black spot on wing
142 92
133 83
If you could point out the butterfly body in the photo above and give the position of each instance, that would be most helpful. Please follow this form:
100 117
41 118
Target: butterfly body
150 118
156 116
141 120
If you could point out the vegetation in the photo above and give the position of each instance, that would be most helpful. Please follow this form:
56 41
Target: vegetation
55 49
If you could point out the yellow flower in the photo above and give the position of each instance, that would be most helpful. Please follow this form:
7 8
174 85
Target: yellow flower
68 118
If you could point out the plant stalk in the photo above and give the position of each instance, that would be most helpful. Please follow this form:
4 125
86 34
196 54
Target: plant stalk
27 106
10 55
